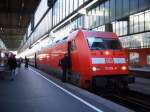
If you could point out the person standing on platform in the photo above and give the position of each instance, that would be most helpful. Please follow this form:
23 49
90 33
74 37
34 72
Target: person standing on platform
64 63
26 62
12 64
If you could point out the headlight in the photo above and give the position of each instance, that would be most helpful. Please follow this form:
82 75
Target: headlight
124 68
95 68
106 52
2 55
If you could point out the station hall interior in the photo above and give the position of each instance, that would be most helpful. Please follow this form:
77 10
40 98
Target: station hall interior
38 30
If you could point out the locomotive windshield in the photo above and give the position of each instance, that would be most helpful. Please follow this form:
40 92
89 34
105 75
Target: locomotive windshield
96 43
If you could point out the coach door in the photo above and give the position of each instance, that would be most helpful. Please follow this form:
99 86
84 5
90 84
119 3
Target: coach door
74 62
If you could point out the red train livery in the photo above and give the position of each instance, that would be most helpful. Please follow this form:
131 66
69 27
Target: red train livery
96 58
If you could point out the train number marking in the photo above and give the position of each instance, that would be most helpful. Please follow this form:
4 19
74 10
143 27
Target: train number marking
109 60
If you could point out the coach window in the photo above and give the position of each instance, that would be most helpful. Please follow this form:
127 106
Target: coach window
148 59
73 45
134 58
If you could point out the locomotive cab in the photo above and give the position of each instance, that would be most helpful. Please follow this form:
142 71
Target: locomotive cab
107 56
108 60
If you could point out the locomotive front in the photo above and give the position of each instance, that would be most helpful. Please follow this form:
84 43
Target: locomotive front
107 56
109 62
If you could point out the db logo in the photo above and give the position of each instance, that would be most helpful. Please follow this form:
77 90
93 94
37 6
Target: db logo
109 60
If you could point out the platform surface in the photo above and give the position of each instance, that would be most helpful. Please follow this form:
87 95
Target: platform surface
141 85
33 92
142 69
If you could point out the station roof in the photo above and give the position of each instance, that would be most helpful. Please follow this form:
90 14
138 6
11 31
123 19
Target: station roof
15 16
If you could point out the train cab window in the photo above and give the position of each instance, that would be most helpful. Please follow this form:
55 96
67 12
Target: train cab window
98 43
73 45
113 44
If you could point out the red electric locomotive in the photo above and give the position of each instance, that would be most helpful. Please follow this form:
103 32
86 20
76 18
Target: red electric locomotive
96 58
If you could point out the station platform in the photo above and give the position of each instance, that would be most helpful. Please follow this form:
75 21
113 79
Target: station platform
143 72
141 85
142 79
35 91
142 69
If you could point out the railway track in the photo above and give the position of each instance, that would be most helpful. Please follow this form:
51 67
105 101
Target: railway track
133 100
